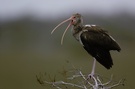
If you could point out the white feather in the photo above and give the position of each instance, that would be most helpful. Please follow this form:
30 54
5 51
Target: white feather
93 25
112 38
80 36
87 25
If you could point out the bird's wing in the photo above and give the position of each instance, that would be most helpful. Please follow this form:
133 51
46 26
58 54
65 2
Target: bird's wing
98 44
94 43
99 37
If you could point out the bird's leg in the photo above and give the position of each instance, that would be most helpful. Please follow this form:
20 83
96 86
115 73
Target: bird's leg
91 75
93 67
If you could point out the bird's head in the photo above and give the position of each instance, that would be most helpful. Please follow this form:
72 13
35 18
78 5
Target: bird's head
75 20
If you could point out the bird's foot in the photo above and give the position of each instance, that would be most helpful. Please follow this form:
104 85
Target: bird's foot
91 76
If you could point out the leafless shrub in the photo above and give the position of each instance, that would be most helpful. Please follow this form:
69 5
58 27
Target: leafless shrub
75 79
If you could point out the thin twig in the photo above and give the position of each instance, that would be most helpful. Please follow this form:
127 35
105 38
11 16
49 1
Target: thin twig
94 82
121 82
65 83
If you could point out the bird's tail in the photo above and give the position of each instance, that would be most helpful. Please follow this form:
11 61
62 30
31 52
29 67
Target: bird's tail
104 58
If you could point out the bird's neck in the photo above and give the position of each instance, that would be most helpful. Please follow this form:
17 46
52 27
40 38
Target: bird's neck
76 30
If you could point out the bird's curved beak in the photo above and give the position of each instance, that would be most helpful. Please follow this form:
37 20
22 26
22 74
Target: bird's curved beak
70 19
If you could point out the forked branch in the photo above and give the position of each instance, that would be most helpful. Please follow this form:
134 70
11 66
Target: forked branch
80 81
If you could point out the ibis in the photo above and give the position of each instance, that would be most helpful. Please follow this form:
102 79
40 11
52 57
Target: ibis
94 39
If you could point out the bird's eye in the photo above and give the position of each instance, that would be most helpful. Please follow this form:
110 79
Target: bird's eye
74 17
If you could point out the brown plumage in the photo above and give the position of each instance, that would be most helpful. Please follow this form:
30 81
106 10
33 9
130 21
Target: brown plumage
96 41
98 44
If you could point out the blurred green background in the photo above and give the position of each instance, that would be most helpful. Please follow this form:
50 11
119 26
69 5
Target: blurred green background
27 48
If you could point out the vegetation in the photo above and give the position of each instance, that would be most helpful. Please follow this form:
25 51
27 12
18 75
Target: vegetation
27 48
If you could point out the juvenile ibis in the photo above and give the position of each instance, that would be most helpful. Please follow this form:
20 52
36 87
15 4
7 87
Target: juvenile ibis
94 39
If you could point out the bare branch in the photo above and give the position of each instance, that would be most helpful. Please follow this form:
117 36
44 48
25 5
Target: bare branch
90 82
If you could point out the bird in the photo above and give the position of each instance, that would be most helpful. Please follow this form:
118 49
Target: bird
94 39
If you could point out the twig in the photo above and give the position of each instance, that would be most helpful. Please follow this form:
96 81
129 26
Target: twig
121 82
94 82
63 83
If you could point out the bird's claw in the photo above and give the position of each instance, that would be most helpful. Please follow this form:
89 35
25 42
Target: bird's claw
90 76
